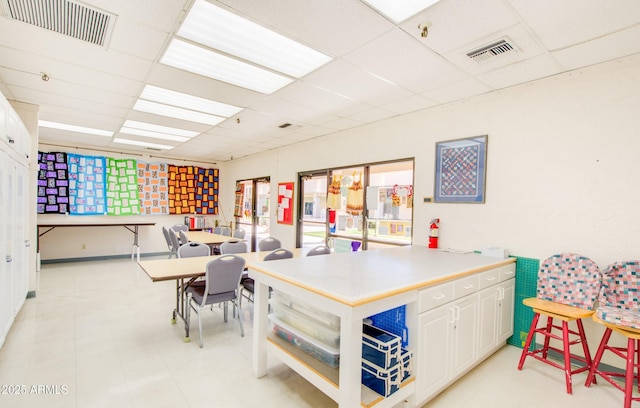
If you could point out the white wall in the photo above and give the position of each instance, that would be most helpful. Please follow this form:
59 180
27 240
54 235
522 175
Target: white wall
561 168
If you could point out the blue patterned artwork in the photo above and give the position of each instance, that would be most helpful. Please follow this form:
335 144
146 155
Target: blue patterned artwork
87 185
461 170
53 191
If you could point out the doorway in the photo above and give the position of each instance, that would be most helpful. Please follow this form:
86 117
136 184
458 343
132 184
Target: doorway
252 209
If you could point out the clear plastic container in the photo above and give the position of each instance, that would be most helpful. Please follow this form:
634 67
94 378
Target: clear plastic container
328 319
305 323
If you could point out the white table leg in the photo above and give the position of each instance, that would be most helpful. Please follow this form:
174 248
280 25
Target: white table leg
350 361
260 311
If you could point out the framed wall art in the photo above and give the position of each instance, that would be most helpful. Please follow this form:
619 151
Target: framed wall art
461 169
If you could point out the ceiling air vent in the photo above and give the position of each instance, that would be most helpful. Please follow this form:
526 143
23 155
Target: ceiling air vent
492 51
70 18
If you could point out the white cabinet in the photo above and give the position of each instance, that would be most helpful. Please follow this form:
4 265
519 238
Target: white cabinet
460 323
14 216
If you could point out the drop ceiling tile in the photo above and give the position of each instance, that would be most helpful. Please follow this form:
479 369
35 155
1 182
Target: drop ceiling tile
319 99
411 103
334 27
136 39
521 72
454 23
625 42
342 78
560 24
458 90
401 59
372 115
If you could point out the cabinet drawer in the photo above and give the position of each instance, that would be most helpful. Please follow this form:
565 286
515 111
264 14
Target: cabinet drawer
435 296
489 278
466 286
507 272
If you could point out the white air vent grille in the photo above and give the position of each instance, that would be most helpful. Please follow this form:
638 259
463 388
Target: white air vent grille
488 52
66 17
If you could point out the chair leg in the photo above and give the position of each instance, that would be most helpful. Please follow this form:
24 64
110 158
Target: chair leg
567 356
596 360
199 326
547 339
630 373
240 320
585 347
527 343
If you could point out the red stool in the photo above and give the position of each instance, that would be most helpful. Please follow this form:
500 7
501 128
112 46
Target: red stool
567 287
619 311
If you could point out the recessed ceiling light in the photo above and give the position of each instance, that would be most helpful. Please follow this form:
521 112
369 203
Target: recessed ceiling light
175 112
73 128
400 10
201 61
143 144
155 135
222 30
182 100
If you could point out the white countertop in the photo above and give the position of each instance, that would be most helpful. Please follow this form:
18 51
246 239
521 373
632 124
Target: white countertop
358 277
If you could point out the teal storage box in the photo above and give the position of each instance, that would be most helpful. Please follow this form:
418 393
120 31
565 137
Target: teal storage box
383 381
380 347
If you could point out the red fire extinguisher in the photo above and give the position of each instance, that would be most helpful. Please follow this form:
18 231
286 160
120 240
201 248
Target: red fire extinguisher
433 233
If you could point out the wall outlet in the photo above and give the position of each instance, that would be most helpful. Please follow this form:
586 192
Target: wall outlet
427 200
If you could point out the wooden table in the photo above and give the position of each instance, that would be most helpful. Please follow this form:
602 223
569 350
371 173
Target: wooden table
352 286
185 270
131 226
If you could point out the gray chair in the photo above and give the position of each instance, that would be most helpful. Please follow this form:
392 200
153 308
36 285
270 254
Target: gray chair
173 251
217 230
174 240
269 244
183 237
239 233
319 250
233 247
225 231
222 285
248 284
180 227
193 248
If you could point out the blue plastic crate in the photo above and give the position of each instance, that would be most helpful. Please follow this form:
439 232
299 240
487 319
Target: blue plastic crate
380 347
383 381
406 363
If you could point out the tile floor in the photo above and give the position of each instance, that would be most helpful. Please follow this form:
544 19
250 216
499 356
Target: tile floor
98 334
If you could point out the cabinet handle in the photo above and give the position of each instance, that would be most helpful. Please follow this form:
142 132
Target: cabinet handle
468 287
438 297
500 295
491 278
8 258
10 139
27 243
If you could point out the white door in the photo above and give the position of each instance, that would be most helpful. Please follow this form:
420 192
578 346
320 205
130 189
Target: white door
488 320
463 353
6 256
21 237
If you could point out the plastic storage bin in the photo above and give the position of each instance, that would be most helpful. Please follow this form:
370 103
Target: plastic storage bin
328 319
406 363
380 347
306 324
328 355
383 381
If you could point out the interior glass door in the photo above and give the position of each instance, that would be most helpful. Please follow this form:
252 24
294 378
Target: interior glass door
312 226
252 209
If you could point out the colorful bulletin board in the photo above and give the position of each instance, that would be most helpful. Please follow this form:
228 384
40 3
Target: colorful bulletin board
87 185
53 183
153 189
193 190
122 187
285 203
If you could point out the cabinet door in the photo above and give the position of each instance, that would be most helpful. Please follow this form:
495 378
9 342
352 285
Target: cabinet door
464 334
433 351
6 235
488 320
506 306
20 237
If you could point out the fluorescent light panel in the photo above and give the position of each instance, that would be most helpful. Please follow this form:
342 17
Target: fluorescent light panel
400 10
186 101
177 113
155 135
201 61
143 144
222 30
73 128
160 129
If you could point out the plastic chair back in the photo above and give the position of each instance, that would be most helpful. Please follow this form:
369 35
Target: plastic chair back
319 250
239 233
183 237
279 253
174 239
569 279
269 244
180 227
233 247
223 274
167 238
193 249
225 231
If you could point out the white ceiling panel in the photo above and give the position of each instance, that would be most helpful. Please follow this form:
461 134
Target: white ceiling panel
455 23
561 24
404 61
379 69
